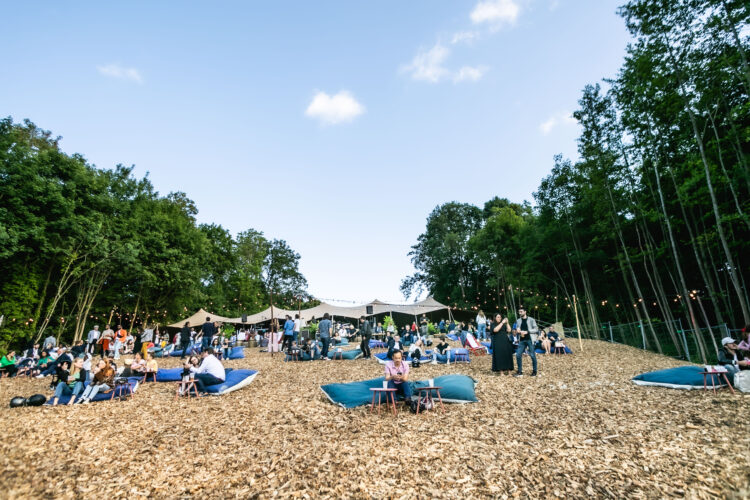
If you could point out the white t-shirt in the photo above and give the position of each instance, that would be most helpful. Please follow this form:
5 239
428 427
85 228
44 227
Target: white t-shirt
481 320
296 325
212 366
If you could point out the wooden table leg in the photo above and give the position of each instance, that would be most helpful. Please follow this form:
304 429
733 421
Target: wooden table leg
442 408
372 403
730 385
393 399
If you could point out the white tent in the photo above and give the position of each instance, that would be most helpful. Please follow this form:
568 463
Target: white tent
425 306
199 318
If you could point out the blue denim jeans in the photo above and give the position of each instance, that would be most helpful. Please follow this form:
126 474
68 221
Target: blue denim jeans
404 388
64 389
482 331
523 345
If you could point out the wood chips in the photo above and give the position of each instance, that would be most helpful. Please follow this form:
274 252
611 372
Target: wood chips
579 429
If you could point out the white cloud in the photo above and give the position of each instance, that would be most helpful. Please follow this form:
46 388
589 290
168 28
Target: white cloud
428 65
464 37
495 12
469 74
120 72
331 110
559 119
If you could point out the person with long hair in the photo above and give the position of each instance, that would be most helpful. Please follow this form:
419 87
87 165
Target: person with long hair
481 322
70 383
8 363
502 346
103 381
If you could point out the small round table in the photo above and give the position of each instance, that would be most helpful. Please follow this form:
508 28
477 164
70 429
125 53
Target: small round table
428 396
390 398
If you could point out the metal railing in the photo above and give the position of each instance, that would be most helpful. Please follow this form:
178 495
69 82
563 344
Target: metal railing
639 334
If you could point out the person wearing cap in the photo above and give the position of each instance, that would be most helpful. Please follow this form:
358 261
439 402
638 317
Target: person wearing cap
731 358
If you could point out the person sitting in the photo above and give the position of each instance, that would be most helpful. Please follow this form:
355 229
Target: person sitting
544 342
42 364
137 367
394 345
151 365
440 353
8 364
77 349
452 326
70 383
293 352
415 351
103 381
62 357
210 371
397 376
732 358
514 339
310 350
744 344
33 354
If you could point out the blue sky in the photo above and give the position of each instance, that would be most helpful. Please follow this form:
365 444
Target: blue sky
337 126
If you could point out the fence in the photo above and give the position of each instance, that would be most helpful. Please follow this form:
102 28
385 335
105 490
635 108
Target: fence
640 335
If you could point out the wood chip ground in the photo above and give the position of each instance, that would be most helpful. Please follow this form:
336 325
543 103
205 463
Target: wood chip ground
579 429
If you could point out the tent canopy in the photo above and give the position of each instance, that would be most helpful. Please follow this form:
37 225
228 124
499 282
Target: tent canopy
425 306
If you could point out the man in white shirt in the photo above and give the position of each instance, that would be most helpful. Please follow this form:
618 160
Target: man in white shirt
91 339
297 325
210 371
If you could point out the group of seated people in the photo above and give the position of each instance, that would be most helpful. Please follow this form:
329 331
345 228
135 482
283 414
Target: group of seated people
306 350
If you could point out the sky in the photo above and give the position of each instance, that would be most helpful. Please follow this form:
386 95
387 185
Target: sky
337 126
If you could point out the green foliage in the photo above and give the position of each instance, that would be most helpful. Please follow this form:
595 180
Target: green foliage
80 244
664 153
388 321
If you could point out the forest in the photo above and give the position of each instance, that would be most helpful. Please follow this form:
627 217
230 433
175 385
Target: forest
81 246
649 225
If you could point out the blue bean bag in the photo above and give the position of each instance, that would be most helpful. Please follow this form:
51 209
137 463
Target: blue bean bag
682 377
382 357
102 396
175 374
453 337
236 379
454 389
347 355
377 344
236 353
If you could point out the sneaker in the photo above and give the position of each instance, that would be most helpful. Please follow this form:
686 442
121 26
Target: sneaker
533 374
517 374
40 376
434 362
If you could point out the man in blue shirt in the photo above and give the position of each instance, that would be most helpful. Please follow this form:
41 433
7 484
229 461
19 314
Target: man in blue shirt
324 332
288 333
209 330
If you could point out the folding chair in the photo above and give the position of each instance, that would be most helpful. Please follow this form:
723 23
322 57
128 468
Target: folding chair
473 346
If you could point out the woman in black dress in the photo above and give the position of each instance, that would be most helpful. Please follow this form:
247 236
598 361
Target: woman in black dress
502 349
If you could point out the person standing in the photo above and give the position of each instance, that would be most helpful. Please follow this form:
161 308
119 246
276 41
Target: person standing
297 327
147 337
288 333
91 339
481 321
365 330
424 326
208 330
106 340
502 347
525 326
185 339
121 336
324 332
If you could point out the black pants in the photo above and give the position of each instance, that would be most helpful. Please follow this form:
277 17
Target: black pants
365 346
326 341
184 346
204 379
286 343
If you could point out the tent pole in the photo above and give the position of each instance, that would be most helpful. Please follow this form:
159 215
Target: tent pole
272 334
578 325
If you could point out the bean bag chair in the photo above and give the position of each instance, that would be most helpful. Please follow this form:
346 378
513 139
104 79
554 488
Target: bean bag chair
347 355
682 377
106 396
175 374
236 379
382 357
236 353
567 350
36 400
455 389
344 341
18 402
377 344
453 337
488 345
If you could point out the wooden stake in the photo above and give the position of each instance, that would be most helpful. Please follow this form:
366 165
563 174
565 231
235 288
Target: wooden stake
578 325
